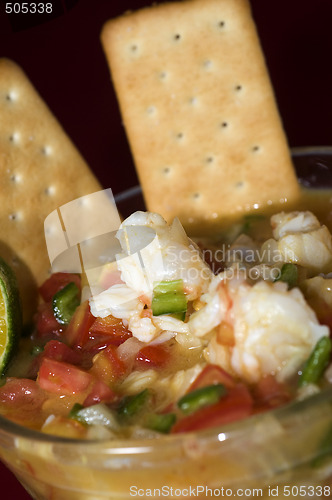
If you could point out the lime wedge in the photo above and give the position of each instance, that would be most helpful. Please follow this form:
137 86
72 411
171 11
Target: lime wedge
10 315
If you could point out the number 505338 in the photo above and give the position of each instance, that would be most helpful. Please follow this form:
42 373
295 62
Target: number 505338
28 8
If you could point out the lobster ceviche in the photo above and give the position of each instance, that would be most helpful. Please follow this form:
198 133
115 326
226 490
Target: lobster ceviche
182 335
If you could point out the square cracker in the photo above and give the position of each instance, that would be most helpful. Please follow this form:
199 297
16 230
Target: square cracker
40 170
199 109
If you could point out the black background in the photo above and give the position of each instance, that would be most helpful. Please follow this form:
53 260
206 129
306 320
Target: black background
63 57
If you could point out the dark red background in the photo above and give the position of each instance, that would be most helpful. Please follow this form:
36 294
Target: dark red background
64 59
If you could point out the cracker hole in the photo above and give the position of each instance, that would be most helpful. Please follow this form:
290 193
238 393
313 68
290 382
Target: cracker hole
177 37
179 136
13 216
46 150
11 96
49 191
221 24
196 196
209 160
133 48
207 64
14 138
224 125
255 149
239 185
15 178
166 170
163 75
151 110
238 88
193 101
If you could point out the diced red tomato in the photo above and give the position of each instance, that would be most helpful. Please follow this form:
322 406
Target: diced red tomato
102 333
99 393
108 367
111 326
95 344
152 356
212 374
21 400
269 393
54 349
59 377
235 405
57 281
21 393
77 332
46 323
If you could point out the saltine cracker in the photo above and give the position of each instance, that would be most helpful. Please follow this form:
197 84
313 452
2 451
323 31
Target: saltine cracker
199 110
41 170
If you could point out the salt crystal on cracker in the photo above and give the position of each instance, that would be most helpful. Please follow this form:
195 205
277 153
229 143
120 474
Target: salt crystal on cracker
40 170
199 109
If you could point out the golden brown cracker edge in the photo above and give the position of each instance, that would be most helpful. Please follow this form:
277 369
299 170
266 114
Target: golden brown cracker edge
41 170
199 109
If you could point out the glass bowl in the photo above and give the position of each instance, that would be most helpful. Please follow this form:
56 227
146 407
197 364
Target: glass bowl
282 453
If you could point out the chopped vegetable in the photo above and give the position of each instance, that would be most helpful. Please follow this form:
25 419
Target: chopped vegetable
199 398
317 362
63 378
46 323
56 282
98 414
212 375
111 327
288 274
77 332
156 356
160 422
169 298
132 405
235 405
65 302
108 367
75 413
